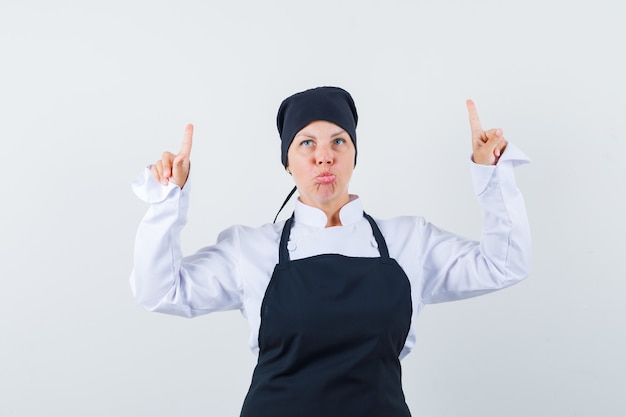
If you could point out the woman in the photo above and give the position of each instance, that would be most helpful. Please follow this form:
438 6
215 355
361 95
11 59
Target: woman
331 294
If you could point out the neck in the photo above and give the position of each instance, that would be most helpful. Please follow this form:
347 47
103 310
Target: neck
333 219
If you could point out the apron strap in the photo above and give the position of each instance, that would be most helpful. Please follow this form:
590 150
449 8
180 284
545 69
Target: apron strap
283 253
382 244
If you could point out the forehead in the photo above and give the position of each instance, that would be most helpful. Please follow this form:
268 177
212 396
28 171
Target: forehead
321 128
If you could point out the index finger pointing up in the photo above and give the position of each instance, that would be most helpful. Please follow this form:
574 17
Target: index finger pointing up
185 148
477 129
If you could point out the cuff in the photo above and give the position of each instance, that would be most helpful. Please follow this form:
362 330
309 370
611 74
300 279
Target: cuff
481 174
148 189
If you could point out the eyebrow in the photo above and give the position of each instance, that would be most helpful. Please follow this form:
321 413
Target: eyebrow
305 134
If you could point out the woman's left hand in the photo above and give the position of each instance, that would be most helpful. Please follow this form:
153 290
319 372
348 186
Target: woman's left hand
487 146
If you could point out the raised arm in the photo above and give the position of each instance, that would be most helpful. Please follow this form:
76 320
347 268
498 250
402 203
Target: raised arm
162 279
456 267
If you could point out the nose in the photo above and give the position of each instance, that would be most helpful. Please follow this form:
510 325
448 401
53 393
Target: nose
324 156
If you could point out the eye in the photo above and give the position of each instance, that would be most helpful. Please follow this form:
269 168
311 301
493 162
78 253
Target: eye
339 141
306 143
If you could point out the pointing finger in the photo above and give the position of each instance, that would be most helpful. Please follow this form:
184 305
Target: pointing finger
185 148
477 129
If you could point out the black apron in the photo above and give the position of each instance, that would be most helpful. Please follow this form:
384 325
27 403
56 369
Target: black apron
332 328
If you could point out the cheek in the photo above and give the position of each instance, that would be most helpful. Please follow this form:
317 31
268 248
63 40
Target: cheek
297 162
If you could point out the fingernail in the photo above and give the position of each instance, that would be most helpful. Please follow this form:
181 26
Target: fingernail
164 181
499 132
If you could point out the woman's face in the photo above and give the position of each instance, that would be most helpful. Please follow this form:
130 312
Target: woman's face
321 160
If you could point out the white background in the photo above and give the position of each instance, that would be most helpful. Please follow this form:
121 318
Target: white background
90 92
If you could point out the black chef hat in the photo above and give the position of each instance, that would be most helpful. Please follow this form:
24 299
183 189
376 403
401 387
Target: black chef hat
332 104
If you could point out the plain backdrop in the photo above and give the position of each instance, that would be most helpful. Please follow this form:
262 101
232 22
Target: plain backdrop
91 92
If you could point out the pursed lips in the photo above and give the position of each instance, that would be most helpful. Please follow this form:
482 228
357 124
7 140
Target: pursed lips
325 178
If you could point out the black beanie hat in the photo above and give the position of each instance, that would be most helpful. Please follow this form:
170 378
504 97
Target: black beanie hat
332 104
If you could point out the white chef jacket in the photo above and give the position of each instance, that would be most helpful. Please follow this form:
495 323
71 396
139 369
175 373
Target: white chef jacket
235 271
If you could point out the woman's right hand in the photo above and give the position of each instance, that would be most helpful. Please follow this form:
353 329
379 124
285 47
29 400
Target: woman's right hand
175 168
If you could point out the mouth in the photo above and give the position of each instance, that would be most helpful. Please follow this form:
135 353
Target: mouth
325 178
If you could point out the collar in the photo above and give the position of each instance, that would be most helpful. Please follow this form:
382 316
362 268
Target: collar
350 213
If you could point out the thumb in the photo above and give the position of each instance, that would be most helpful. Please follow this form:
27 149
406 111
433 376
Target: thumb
180 170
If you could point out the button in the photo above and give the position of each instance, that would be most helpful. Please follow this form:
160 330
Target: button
374 243
291 246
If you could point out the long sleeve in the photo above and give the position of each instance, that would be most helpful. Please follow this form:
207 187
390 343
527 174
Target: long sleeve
162 279
457 268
